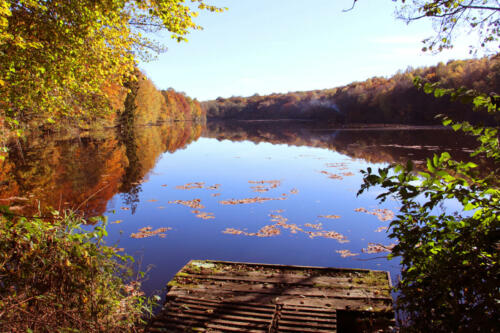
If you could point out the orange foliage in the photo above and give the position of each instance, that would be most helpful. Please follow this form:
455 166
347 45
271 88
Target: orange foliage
85 172
376 100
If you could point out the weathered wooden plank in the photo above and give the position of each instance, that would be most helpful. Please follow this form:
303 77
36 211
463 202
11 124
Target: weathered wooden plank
286 322
217 310
308 310
286 328
250 320
306 318
224 287
240 322
220 314
198 300
287 267
334 303
187 325
318 281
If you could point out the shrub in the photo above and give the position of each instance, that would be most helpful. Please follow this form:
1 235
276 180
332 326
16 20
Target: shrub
56 276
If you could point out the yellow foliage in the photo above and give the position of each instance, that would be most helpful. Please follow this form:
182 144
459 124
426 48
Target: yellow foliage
63 58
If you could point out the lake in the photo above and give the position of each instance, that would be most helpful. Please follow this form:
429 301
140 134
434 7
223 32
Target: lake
269 192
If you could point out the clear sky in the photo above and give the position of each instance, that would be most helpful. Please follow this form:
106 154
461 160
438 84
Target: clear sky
267 46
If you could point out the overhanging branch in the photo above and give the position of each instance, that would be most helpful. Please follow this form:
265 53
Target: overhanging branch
349 9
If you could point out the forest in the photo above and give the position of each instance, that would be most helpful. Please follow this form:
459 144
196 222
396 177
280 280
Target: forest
138 102
393 100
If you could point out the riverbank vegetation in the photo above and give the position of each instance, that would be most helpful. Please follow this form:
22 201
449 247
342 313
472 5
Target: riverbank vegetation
448 227
58 275
393 100
449 257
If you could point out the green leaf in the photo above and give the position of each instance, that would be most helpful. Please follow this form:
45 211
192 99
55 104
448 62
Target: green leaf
446 122
469 206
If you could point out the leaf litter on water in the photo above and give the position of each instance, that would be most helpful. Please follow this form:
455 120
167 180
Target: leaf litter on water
378 248
280 221
332 175
204 215
190 186
249 200
149 232
383 214
333 217
195 203
318 226
265 185
346 253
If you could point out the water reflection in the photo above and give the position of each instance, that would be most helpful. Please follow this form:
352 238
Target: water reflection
280 192
85 171
375 145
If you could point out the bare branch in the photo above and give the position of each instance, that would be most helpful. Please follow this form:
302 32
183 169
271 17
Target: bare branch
349 9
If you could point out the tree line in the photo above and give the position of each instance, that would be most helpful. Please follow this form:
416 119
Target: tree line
393 100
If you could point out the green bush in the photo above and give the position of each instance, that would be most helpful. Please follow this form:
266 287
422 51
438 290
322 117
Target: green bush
55 276
450 274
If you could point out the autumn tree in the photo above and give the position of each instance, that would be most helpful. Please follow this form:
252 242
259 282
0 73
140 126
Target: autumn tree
57 57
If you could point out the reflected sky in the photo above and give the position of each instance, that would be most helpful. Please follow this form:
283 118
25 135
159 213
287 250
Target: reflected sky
233 165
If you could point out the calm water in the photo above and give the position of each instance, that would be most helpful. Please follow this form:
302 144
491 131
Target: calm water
305 176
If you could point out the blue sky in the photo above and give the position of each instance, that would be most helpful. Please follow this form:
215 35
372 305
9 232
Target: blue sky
278 46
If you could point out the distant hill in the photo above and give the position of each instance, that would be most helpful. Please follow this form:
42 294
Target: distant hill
391 100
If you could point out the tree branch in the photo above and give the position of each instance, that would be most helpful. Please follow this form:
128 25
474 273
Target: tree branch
349 9
480 7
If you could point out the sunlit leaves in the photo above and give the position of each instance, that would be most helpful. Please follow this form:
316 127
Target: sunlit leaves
57 58
450 259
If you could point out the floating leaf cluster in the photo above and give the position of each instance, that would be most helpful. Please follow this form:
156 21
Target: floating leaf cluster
265 186
280 221
378 248
248 200
346 253
195 203
318 226
149 232
190 186
203 215
339 165
382 214
332 175
330 216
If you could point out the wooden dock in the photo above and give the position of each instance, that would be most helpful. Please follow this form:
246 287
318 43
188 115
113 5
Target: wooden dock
218 296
